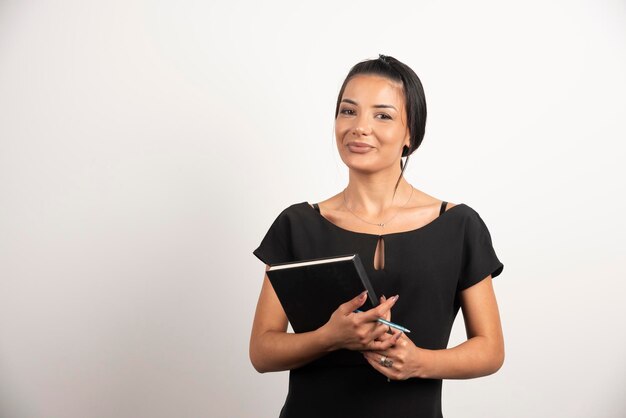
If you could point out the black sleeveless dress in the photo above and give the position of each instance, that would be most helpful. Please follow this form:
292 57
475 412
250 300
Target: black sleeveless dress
427 267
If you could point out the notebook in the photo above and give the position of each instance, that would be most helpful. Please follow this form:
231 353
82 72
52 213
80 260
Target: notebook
311 290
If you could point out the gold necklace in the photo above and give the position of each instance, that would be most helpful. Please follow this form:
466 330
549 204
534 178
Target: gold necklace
381 224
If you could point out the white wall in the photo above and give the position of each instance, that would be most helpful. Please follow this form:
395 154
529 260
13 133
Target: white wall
145 148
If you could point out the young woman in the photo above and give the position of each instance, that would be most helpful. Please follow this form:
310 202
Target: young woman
428 256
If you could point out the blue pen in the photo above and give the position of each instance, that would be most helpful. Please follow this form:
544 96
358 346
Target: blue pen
391 324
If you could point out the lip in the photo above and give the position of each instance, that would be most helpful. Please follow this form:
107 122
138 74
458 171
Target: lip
359 147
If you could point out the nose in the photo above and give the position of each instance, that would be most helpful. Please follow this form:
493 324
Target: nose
361 126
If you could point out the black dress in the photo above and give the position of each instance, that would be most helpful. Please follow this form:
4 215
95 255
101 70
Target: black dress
427 267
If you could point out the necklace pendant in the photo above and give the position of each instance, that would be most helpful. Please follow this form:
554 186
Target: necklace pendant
381 225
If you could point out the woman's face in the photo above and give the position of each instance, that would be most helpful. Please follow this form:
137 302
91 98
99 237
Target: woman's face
371 124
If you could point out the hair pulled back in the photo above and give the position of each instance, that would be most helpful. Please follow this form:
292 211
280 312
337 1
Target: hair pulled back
414 98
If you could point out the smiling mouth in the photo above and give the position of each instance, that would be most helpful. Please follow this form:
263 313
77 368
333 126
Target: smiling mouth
359 147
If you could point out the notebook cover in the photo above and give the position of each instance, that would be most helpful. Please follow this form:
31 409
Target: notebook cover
310 294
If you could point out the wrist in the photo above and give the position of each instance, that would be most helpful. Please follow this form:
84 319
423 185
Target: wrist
324 337
424 363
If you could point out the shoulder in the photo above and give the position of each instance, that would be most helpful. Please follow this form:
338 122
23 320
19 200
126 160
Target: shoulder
464 210
472 222
426 203
293 213
465 215
461 211
449 205
296 209
288 218
468 210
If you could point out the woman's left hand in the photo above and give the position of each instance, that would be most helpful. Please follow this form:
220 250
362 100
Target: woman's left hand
404 360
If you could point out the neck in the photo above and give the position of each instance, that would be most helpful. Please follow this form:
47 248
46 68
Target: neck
374 194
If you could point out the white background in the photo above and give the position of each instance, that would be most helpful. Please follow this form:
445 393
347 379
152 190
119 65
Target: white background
146 147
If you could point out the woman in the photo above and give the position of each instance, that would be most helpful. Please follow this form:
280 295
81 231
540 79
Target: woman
430 257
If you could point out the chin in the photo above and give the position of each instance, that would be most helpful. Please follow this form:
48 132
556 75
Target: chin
361 165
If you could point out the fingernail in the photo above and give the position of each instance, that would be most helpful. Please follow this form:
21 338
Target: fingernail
395 298
363 294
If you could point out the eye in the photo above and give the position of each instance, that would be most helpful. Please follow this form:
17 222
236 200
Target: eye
383 116
345 111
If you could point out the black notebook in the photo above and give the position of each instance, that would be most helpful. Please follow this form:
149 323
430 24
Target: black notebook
311 290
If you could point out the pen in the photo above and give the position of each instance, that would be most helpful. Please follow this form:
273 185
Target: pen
391 324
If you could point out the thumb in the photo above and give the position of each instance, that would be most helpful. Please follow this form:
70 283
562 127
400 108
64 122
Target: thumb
353 304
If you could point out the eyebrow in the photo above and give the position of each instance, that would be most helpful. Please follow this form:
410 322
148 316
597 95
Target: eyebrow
378 106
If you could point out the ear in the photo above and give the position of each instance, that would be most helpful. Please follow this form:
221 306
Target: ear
407 146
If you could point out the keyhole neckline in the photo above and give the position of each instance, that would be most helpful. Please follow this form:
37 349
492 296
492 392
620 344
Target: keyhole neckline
388 234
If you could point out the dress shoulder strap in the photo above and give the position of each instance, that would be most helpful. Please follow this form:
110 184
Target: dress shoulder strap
443 207
316 207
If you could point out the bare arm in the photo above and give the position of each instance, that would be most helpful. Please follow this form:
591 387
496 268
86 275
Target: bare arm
273 349
482 354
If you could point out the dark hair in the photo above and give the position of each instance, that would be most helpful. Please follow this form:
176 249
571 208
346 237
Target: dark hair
415 100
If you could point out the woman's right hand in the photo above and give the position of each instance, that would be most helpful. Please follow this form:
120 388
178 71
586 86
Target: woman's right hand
360 331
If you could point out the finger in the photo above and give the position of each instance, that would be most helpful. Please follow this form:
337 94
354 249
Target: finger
384 309
385 336
392 340
374 361
380 330
375 328
383 345
396 337
376 355
387 316
369 355
353 304
380 311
